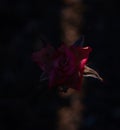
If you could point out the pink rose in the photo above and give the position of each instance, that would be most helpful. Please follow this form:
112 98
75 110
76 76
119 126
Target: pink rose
64 66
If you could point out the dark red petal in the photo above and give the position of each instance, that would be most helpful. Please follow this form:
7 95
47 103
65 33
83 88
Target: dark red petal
84 57
55 79
43 57
52 79
81 52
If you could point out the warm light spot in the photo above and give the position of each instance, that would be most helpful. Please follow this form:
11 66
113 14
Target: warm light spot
69 118
85 48
71 21
71 1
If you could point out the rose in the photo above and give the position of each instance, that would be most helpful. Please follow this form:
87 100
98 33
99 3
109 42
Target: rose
64 66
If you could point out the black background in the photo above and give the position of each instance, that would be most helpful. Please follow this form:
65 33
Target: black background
24 104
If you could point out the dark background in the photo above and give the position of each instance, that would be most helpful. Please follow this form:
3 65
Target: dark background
24 103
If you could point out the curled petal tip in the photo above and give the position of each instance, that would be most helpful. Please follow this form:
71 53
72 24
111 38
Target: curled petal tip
89 72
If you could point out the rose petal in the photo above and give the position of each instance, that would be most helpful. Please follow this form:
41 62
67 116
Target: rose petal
55 79
44 58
